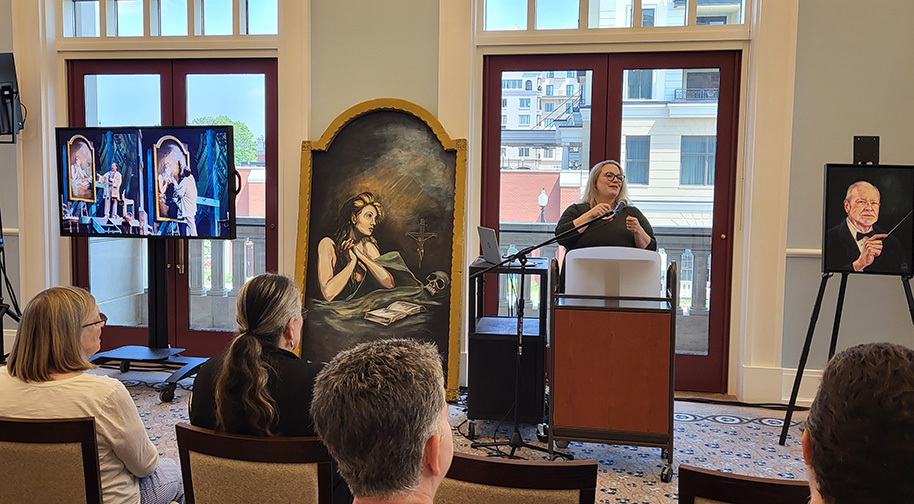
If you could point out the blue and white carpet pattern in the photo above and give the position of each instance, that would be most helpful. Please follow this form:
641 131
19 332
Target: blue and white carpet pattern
727 438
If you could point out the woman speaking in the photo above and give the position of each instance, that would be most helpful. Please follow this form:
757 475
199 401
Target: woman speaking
605 190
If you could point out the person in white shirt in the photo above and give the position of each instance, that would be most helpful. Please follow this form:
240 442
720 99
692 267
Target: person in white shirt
112 181
186 198
44 378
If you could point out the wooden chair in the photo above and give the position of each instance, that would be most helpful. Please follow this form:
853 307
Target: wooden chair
480 479
697 485
49 461
219 467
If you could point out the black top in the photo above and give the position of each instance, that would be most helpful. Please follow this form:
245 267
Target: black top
290 388
603 233
841 251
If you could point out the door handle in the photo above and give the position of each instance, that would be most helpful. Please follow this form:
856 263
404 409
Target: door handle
180 264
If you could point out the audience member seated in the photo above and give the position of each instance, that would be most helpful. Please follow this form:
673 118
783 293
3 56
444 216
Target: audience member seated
60 329
380 410
259 387
859 439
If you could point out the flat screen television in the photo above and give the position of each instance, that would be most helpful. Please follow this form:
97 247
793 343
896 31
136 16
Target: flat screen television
10 110
868 226
147 182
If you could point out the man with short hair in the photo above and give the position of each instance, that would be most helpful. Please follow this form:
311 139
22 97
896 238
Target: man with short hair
112 181
857 243
859 439
380 410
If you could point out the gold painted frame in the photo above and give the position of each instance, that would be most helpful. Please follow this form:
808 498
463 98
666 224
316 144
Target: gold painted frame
457 146
155 167
91 176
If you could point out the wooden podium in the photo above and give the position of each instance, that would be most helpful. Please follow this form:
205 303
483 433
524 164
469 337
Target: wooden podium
611 372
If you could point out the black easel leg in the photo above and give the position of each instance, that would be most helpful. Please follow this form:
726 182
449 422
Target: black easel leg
802 365
906 282
838 310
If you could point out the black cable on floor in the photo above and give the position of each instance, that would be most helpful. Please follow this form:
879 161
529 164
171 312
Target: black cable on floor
723 402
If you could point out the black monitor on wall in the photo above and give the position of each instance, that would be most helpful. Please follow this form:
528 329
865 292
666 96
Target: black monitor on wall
147 182
10 110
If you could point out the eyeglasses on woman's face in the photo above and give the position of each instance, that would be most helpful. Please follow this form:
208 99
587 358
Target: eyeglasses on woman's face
610 176
102 319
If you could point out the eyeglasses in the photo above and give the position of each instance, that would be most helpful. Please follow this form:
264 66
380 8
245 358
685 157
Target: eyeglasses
610 176
102 319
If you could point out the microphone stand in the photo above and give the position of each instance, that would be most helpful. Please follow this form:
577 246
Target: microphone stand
517 441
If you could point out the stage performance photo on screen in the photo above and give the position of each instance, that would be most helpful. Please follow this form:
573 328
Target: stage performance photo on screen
868 219
176 181
377 259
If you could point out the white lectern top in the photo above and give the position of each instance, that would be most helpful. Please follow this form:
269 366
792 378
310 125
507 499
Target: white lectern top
613 271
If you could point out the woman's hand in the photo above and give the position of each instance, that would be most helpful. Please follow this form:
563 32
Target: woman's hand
642 239
596 211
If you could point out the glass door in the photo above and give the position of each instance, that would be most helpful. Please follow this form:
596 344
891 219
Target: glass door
674 132
203 275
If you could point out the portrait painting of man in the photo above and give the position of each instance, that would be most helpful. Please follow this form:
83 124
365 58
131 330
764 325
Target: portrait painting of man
868 219
81 173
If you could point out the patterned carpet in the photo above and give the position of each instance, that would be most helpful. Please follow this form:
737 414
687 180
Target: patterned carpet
734 439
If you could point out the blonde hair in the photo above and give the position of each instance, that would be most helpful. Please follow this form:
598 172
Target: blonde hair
590 192
48 338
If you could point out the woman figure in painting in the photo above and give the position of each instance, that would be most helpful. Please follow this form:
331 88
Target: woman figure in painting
605 189
346 258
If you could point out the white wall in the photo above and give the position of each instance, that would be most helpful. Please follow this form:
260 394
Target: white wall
850 80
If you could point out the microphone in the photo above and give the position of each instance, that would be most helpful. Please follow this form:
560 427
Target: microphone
619 206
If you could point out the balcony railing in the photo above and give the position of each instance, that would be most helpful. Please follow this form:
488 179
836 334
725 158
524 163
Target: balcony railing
696 94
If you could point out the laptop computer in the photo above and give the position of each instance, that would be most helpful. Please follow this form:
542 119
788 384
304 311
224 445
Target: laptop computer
489 243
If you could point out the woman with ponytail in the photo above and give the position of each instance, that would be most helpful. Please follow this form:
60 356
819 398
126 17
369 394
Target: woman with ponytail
259 387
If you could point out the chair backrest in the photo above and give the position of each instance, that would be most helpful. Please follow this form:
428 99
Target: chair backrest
697 485
49 461
480 479
219 467
613 271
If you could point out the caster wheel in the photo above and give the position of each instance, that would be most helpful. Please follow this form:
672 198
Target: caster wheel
562 444
542 433
167 394
125 366
666 475
471 430
664 453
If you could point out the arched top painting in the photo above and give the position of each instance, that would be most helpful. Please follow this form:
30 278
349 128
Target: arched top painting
380 235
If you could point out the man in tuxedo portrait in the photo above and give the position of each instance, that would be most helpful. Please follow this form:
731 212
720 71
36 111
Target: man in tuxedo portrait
857 243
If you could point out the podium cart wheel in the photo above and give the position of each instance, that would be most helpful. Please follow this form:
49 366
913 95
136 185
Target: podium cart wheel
167 393
666 475
124 366
664 452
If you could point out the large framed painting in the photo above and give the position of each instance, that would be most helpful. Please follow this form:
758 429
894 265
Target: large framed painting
380 235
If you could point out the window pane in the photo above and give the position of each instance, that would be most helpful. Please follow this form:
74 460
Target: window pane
217 17
505 15
173 18
263 18
544 162
609 14
720 12
670 13
637 159
557 14
647 17
672 141
118 267
218 268
85 20
129 18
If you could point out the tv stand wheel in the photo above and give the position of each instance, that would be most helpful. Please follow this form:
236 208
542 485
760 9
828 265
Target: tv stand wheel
124 366
666 475
167 393
471 430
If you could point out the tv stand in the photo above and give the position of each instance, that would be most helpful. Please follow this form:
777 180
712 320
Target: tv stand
158 351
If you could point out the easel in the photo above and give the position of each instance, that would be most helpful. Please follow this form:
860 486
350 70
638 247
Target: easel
866 151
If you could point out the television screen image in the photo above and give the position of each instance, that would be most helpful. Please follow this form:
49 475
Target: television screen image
147 182
868 223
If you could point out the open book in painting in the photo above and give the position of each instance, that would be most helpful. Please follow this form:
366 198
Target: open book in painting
394 312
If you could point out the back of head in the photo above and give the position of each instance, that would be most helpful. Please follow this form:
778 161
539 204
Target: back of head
375 406
861 425
266 304
48 338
